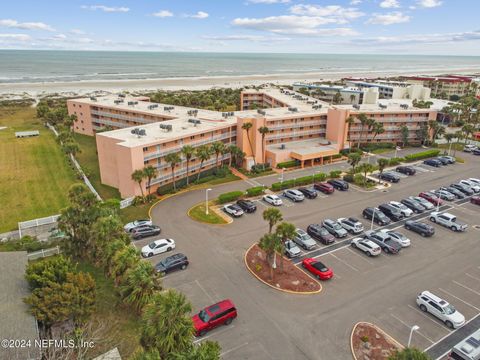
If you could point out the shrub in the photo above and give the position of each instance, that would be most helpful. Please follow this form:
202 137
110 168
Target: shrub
230 196
259 168
338 156
335 174
255 191
364 338
422 155
288 164
375 146
348 178
395 161
305 180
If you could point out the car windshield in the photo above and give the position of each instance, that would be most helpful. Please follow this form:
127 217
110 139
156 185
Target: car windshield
449 310
320 267
336 226
304 236
399 236
203 315
152 245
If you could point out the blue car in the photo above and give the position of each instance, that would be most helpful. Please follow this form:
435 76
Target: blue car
433 162
476 152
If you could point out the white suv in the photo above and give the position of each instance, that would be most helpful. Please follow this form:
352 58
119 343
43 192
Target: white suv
440 308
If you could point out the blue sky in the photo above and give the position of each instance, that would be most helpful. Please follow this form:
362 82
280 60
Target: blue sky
448 27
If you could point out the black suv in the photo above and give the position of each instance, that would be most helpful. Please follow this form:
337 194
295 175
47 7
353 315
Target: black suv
467 190
145 231
309 193
318 232
407 170
391 211
389 176
416 207
420 228
433 162
379 219
171 263
247 206
443 160
338 184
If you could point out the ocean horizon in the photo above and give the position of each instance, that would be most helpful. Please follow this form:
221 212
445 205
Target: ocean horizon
40 66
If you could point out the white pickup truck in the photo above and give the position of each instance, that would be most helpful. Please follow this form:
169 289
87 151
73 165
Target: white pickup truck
447 220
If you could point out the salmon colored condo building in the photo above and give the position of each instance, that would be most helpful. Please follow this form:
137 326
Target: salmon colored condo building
140 133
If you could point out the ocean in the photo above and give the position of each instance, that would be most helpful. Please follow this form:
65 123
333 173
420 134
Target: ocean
31 66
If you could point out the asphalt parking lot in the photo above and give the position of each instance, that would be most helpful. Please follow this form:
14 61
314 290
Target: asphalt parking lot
382 290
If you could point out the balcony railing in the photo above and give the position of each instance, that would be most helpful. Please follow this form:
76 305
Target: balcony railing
296 125
124 117
114 124
296 134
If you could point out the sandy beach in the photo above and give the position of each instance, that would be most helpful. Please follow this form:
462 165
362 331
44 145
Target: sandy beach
79 88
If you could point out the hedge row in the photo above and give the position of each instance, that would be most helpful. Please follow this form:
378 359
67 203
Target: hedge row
288 164
230 196
334 174
255 191
395 161
422 155
298 182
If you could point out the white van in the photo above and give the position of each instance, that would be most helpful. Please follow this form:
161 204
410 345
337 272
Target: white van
467 349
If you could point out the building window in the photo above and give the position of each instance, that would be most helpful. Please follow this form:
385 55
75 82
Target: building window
145 149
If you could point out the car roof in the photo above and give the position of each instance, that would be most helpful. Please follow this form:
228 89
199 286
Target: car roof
221 305
434 297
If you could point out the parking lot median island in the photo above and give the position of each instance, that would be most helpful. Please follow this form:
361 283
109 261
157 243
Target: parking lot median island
368 341
287 277
198 213
422 155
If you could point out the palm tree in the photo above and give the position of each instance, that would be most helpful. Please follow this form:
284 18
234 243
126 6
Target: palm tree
377 129
365 168
218 148
354 159
138 176
382 164
173 159
363 118
203 153
270 243
273 216
166 324
140 284
123 260
187 152
285 231
459 137
404 131
232 150
263 130
468 130
247 126
370 125
349 121
449 137
150 173
109 255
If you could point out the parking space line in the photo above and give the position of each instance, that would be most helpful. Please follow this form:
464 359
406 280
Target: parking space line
204 291
408 326
360 256
466 287
214 333
473 277
233 349
426 316
466 303
344 262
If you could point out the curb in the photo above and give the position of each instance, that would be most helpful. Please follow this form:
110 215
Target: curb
228 221
397 343
274 287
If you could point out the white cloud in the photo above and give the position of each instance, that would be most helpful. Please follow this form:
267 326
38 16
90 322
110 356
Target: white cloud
59 37
387 4
163 14
77 32
429 3
395 17
109 9
198 15
268 1
355 2
14 37
254 38
338 13
26 25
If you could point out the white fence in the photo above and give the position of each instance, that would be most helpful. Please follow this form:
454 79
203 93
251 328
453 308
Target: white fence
126 202
33 227
43 253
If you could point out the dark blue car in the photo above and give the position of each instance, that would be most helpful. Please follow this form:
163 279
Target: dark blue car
433 162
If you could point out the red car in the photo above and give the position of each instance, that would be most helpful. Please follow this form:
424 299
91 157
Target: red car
317 268
324 187
475 200
429 196
221 313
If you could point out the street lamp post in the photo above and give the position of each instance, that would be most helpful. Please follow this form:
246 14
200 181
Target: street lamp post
206 200
414 328
373 218
281 179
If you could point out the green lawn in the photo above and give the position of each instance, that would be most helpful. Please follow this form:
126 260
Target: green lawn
88 160
34 173
198 213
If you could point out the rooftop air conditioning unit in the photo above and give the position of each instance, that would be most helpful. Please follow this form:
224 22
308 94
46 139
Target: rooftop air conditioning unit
282 146
292 109
139 132
93 98
261 112
355 106
131 103
195 122
121 95
166 127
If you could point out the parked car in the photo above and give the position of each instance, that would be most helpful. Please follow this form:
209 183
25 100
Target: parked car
475 180
469 148
433 162
420 228
317 268
221 313
247 206
367 246
272 199
134 224
171 263
443 160
444 195
309 193
402 208
291 249
339 184
294 195
441 309
413 205
233 209
324 187
407 170
467 190
392 212
476 151
389 176
145 231
158 247
475 200
304 240
457 193
424 202
384 241
448 158
398 237
334 228
431 197
351 224
321 234
448 220
378 216
475 187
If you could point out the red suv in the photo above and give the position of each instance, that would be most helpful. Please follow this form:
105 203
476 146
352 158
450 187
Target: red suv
221 313
429 196
324 187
